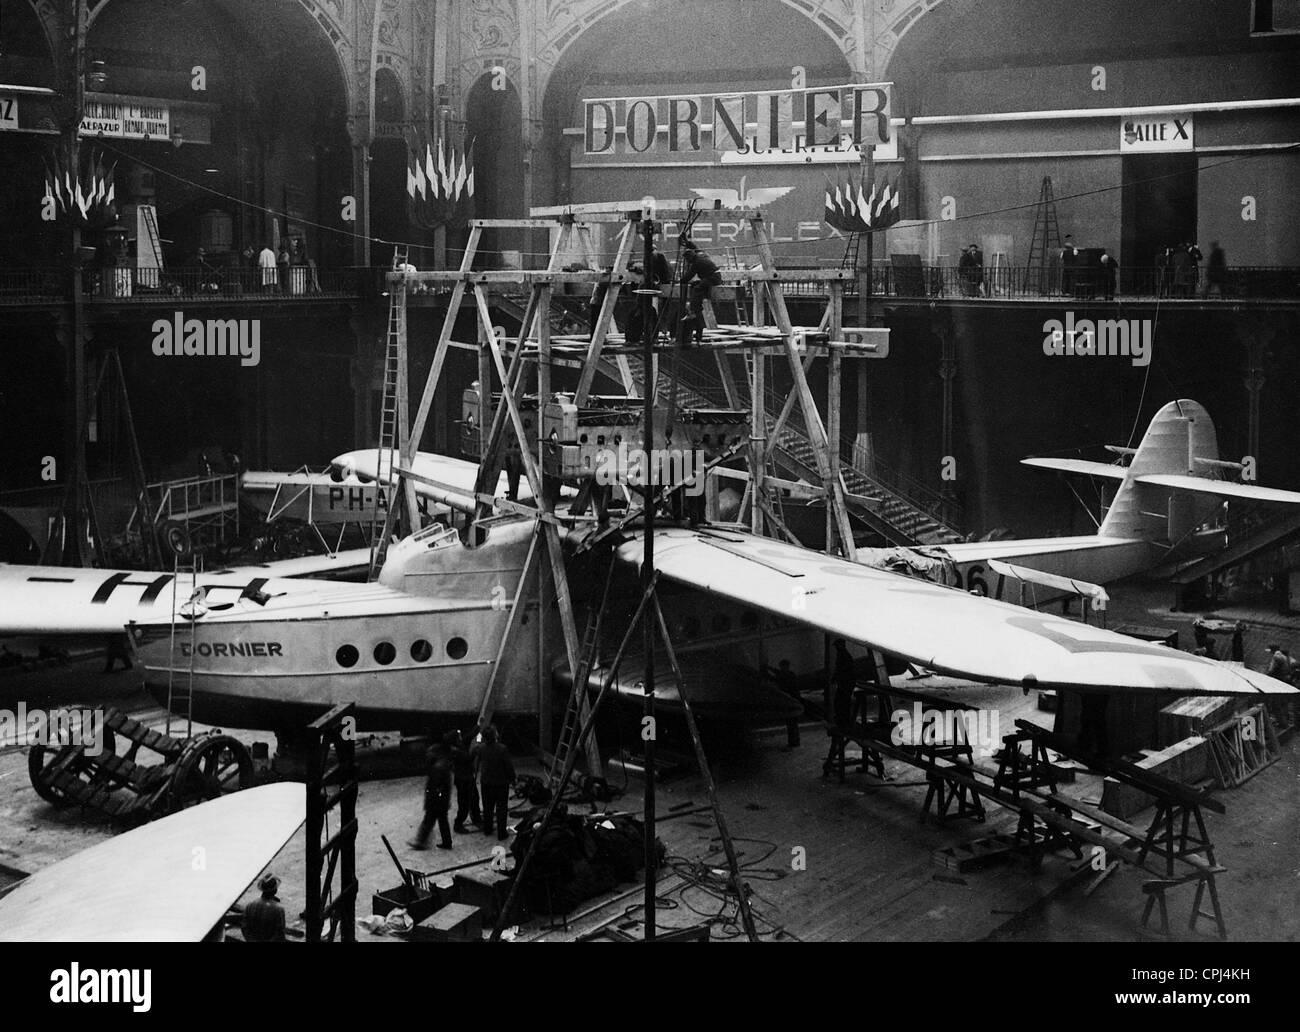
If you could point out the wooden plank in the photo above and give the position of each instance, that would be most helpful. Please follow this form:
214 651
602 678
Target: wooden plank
812 418
603 322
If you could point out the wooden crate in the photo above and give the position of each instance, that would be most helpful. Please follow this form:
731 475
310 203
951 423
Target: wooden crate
1192 715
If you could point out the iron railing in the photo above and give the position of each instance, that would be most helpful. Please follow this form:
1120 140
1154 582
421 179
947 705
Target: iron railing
1035 283
50 284
125 284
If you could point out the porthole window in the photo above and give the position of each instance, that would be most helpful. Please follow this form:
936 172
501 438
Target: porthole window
457 648
749 619
385 653
721 623
347 656
421 651
691 627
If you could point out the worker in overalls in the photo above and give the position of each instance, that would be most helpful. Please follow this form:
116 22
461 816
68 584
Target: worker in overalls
701 273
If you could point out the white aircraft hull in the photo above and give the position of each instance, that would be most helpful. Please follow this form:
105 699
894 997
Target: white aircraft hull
271 671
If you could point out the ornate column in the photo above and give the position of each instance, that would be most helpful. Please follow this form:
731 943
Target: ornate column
359 137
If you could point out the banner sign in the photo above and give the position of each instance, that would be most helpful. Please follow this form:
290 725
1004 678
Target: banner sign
1150 133
27 112
127 119
721 125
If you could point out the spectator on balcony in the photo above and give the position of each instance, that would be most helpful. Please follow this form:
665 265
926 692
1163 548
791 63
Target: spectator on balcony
1184 274
1164 271
266 262
1069 259
207 274
283 261
1216 270
1194 253
1109 275
970 267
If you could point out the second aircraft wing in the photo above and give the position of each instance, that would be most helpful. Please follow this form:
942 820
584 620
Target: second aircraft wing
941 628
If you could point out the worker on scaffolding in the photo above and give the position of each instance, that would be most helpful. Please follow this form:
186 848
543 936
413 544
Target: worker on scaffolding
701 273
659 279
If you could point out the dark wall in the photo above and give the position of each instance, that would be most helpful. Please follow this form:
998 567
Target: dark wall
1011 401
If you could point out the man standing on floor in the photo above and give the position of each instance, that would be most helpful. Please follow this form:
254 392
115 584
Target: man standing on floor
496 775
437 799
845 682
466 791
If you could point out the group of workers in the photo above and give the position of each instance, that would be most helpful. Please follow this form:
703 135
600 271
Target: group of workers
844 679
699 274
467 767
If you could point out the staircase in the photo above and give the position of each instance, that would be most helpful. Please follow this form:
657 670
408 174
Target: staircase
902 512
514 306
902 519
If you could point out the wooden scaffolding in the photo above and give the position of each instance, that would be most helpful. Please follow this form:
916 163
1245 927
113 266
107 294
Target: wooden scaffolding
509 422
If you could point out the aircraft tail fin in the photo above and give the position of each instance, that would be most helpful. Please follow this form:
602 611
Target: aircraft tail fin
1179 442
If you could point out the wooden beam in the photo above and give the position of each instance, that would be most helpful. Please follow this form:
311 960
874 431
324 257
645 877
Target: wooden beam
488 703
812 418
603 322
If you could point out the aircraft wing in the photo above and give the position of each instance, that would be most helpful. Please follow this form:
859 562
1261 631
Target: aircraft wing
456 477
941 628
1223 488
144 886
1093 469
337 564
444 480
53 600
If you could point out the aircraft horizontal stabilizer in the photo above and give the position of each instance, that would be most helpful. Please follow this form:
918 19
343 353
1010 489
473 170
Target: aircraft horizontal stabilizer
1223 488
1092 469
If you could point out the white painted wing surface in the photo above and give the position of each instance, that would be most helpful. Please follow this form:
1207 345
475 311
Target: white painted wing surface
941 628
1223 488
144 885
61 600
1093 469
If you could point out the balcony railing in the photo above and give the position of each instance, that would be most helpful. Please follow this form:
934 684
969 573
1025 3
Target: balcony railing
1032 283
49 285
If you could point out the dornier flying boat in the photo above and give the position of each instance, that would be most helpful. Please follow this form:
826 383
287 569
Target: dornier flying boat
425 639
